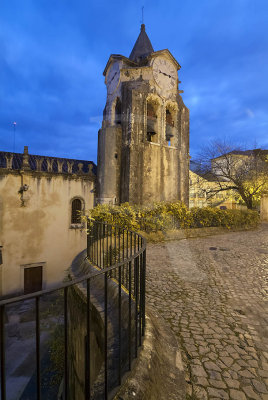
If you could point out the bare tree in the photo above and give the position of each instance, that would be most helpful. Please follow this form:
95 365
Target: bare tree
244 172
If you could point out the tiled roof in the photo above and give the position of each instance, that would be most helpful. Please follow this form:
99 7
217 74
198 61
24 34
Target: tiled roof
259 152
208 176
33 159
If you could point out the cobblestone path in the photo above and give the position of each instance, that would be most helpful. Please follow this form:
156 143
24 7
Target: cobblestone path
212 292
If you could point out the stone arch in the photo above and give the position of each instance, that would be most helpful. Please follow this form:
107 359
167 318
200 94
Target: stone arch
77 205
153 118
116 112
170 123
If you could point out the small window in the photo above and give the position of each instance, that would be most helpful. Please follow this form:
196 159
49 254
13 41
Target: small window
76 211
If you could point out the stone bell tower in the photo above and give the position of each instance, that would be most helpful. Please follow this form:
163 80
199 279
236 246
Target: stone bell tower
143 145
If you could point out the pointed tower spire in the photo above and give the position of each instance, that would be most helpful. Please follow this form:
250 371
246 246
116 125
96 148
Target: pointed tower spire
142 48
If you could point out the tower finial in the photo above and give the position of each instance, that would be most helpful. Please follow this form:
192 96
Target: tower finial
143 46
142 15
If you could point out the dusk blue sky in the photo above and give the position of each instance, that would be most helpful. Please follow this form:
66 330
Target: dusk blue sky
53 53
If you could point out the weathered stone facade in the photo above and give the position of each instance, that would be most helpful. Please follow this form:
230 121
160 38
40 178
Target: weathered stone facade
143 146
37 230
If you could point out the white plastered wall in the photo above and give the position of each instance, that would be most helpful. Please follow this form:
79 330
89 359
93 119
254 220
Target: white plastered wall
40 231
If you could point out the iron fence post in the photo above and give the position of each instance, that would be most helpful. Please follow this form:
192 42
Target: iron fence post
37 343
3 352
143 290
88 347
66 366
105 336
119 326
129 313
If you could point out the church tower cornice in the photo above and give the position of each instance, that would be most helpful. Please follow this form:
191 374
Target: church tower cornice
119 57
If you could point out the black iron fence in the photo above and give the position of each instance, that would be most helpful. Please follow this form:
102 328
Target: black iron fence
114 288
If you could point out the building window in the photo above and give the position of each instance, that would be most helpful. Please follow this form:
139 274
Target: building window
33 279
169 127
76 211
169 119
118 111
151 123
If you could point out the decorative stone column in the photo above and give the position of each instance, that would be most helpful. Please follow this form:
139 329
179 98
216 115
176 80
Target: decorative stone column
50 164
60 164
9 160
80 168
70 167
39 162
25 160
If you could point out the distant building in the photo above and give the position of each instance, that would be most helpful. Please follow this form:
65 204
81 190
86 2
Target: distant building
203 192
230 163
40 227
143 145
205 186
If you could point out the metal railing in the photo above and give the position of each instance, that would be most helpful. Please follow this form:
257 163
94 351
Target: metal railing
115 285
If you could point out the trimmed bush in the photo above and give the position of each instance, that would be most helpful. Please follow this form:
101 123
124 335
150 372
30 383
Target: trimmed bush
164 216
207 217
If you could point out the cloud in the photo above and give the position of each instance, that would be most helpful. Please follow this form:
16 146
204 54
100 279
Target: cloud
52 56
250 113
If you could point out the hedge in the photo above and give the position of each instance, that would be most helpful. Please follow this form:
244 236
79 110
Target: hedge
164 216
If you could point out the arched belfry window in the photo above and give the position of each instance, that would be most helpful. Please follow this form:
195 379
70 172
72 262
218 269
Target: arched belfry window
169 127
76 211
151 122
118 111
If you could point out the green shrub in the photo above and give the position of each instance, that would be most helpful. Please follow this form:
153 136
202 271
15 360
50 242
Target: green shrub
206 217
123 216
163 216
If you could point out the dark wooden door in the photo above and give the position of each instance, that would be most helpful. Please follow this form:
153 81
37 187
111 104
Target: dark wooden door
32 279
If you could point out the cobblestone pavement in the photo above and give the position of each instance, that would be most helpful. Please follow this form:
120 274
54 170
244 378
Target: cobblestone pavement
212 292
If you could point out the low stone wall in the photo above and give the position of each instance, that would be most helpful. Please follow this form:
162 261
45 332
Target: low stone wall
80 267
200 232
77 342
158 372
